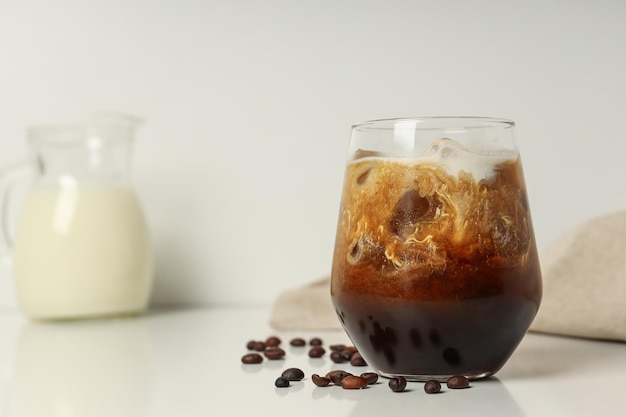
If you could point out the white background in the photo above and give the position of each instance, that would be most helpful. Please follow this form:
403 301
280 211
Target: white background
249 106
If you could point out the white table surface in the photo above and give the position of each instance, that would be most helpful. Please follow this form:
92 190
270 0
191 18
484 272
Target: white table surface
188 363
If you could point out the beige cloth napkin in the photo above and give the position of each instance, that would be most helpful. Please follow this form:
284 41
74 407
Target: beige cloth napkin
584 280
306 308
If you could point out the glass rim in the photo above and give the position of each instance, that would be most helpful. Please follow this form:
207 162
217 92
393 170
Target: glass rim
437 122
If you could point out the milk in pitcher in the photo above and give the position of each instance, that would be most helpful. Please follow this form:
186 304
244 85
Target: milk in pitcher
82 251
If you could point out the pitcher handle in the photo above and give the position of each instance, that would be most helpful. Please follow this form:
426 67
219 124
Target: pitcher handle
10 177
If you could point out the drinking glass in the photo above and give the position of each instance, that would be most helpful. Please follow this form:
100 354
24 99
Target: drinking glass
435 270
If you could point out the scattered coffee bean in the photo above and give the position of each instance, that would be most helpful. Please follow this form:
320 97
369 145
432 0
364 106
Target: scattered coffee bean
370 377
298 341
316 352
397 384
348 352
336 357
353 382
281 382
272 341
258 346
252 358
293 374
351 349
337 375
357 360
432 386
274 353
316 341
457 382
339 353
320 381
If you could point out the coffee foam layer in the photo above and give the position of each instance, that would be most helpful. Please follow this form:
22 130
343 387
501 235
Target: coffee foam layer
479 161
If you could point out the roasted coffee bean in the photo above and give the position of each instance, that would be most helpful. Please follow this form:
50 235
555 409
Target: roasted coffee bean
281 382
337 348
357 360
252 358
370 377
320 381
397 384
258 346
432 386
457 382
337 357
274 353
316 352
337 375
316 341
298 341
272 341
353 382
348 352
250 345
293 374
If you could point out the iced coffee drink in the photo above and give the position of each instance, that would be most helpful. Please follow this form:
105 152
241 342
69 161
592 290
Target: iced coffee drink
435 270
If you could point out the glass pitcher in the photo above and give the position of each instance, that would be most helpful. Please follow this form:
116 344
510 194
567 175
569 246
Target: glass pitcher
81 246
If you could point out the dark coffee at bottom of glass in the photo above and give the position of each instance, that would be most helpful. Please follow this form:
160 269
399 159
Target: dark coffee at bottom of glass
426 340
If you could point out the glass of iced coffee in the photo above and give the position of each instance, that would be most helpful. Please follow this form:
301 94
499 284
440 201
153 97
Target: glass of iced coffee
435 270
